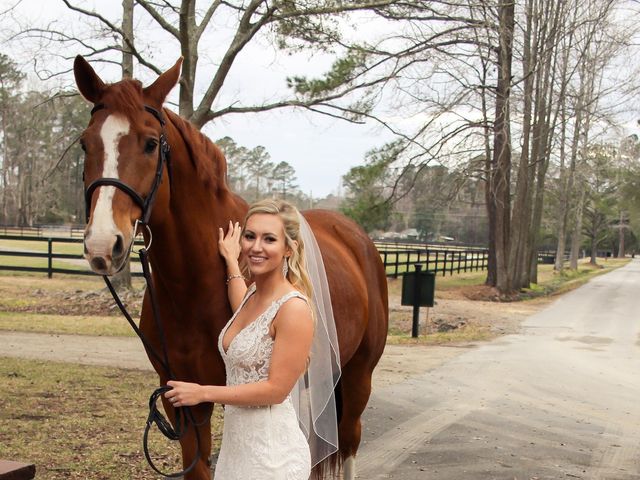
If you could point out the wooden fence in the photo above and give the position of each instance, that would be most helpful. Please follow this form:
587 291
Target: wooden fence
396 257
437 260
44 231
44 252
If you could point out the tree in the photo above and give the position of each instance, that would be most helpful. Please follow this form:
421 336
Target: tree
237 158
259 168
600 206
292 26
368 201
500 174
284 176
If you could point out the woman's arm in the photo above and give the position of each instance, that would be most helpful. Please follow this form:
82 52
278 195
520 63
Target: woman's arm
293 327
229 248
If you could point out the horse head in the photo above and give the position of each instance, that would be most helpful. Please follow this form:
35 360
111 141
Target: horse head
125 157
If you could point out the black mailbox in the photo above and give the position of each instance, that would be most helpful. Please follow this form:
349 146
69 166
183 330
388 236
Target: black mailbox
427 288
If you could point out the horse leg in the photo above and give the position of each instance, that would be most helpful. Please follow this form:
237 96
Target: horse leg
189 442
356 388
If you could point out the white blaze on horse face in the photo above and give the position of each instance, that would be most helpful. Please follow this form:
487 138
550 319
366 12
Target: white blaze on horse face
103 226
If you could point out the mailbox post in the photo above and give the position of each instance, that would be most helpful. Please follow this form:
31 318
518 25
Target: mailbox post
418 291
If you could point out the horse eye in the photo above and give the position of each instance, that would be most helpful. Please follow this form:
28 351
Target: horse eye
150 146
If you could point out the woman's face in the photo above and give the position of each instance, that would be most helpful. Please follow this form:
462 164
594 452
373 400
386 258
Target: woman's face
263 243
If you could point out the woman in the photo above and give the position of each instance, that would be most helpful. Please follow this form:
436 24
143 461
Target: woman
265 347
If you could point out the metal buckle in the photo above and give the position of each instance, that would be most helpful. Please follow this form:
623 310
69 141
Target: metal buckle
135 234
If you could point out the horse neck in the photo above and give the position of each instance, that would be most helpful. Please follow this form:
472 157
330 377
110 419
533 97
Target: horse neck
200 202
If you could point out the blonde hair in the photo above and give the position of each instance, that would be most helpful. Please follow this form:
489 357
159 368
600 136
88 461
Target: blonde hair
290 217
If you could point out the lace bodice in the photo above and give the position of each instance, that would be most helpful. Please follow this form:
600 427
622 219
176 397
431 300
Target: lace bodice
248 356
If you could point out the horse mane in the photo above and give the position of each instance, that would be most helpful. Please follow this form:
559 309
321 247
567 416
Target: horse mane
206 156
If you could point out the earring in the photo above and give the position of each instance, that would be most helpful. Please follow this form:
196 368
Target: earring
285 267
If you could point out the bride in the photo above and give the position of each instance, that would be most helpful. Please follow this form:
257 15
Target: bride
265 347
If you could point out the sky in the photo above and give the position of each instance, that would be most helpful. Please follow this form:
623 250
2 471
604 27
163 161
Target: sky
320 148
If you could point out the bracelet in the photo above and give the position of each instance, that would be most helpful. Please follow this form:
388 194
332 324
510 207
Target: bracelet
231 277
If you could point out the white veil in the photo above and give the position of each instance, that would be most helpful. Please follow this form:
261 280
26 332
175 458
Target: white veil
313 397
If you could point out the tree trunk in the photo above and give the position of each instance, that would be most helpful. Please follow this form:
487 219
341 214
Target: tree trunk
621 230
127 40
576 235
594 251
520 219
501 168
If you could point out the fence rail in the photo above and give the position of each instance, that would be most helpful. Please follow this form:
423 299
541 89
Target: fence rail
43 231
396 257
438 261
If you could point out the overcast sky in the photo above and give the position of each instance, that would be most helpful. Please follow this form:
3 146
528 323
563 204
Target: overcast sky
320 148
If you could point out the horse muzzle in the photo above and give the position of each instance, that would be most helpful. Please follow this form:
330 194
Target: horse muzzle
105 252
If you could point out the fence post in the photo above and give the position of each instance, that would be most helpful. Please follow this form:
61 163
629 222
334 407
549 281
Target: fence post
415 324
395 275
384 254
50 257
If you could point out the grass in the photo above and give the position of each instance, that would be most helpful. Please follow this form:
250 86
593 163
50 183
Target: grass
42 246
65 324
551 282
466 334
81 422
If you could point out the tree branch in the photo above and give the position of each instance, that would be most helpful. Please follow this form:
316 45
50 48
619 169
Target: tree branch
159 18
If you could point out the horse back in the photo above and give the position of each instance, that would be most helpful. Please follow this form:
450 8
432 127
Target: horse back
357 283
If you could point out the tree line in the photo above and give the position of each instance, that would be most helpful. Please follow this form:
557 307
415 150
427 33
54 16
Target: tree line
509 107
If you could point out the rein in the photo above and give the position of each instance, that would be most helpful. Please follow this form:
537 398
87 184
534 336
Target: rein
183 415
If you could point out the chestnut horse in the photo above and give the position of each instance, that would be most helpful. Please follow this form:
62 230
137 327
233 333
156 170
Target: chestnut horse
192 201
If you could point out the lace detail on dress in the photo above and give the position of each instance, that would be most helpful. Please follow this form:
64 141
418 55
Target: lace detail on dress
259 443
248 356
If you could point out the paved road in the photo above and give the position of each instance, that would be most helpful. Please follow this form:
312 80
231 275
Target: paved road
560 400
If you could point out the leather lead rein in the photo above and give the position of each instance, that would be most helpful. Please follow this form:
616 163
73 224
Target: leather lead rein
183 415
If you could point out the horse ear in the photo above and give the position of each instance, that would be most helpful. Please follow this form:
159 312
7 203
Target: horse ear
159 89
87 80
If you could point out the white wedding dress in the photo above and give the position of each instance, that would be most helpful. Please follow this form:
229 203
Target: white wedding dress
259 443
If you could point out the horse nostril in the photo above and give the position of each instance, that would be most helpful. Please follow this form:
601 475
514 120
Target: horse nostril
118 248
98 263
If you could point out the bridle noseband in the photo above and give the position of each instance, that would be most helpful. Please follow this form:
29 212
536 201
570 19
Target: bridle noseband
183 415
145 204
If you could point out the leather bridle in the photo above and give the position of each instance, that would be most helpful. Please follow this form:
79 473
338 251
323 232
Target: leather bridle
183 415
145 204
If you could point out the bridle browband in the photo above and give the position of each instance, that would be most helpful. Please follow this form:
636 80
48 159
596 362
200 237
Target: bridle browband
183 415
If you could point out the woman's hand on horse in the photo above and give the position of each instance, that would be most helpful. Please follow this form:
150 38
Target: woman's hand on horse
229 243
184 394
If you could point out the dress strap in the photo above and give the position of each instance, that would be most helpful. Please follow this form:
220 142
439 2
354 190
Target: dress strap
271 313
290 295
250 291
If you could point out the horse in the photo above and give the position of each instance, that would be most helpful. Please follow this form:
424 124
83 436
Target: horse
124 140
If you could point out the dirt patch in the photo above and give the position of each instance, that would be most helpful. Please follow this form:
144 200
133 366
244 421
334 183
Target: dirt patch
73 296
473 307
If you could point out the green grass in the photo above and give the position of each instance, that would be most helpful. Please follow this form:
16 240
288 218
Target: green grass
465 334
81 422
42 246
65 324
551 282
